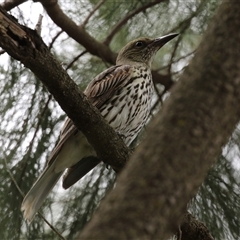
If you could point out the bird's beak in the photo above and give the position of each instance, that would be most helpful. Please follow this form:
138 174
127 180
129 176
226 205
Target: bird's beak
159 42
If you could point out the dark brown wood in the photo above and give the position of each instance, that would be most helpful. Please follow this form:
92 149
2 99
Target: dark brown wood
191 229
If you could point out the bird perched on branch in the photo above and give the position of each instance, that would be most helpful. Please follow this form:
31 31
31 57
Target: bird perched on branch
122 94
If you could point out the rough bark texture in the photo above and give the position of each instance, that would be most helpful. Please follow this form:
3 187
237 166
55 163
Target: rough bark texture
191 229
167 169
25 45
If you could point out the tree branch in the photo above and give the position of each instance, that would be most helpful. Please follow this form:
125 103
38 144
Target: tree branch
165 80
98 5
123 21
191 229
26 46
9 4
78 33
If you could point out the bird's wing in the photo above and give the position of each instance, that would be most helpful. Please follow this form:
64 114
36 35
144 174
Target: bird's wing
99 90
107 83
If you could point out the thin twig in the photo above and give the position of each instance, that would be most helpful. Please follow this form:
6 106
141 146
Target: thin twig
175 61
12 177
75 59
20 191
158 94
51 226
122 22
30 145
92 12
186 22
173 54
39 123
159 100
55 38
184 27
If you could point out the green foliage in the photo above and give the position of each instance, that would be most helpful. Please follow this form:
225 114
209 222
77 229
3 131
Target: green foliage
217 203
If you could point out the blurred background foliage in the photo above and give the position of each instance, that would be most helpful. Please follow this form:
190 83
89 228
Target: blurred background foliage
31 119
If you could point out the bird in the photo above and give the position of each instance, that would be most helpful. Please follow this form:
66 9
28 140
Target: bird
122 94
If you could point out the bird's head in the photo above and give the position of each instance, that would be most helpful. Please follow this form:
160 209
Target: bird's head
142 50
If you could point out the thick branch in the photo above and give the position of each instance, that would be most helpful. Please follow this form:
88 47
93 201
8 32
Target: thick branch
25 45
9 4
78 33
191 229
183 140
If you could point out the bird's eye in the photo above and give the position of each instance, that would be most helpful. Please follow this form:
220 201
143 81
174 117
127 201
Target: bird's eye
139 44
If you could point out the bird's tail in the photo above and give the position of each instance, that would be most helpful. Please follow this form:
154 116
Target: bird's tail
39 192
80 169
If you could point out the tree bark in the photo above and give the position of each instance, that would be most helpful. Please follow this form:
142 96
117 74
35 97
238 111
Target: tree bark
191 229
